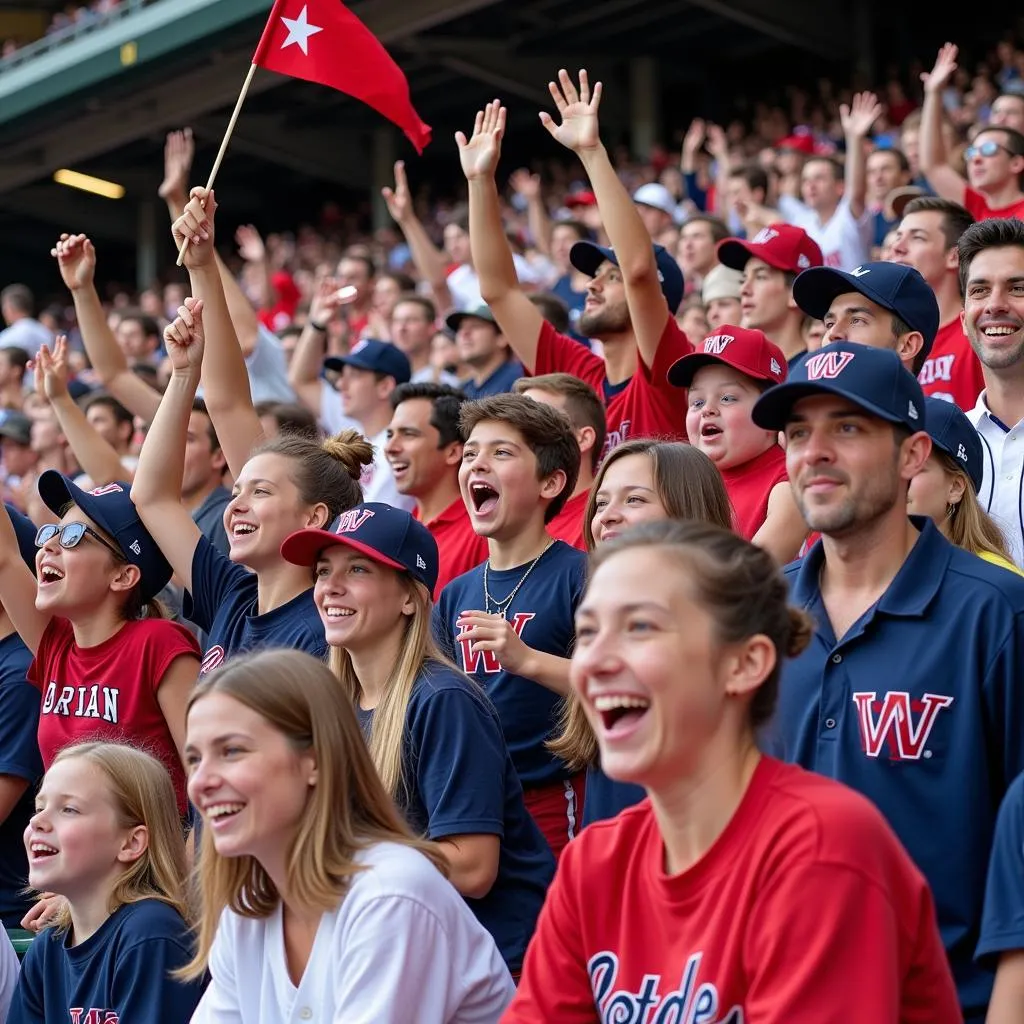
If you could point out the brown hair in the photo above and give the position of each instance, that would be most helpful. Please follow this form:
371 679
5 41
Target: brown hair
415 299
955 219
582 405
547 432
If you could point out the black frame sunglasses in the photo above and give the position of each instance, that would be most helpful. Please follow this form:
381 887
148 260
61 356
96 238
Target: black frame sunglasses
71 535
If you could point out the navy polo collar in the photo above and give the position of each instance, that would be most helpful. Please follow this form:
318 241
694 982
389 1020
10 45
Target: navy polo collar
914 587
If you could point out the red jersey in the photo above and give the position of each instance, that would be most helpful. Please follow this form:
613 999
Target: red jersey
977 206
459 549
806 909
568 525
644 406
952 371
749 487
109 692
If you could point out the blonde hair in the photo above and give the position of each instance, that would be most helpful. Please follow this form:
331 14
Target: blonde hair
142 794
970 526
347 811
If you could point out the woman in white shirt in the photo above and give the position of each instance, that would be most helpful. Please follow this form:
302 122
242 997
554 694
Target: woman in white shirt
317 902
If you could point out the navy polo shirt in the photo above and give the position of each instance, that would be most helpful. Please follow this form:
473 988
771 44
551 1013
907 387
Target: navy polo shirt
1002 924
19 757
223 603
499 383
542 613
459 780
920 707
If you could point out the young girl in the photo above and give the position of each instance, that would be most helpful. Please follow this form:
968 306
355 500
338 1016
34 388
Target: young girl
640 481
253 598
743 888
946 490
106 836
433 734
107 664
725 377
318 904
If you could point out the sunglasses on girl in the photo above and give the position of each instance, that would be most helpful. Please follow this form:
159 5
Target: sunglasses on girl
987 148
71 535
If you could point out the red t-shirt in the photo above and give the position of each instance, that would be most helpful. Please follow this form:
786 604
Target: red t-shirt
646 406
749 487
805 910
952 371
568 524
977 206
108 692
459 549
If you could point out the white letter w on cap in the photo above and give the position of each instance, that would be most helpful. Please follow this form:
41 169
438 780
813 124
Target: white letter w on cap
827 365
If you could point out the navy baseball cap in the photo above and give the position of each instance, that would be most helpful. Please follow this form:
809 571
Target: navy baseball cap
873 378
25 531
586 257
899 289
951 431
375 356
113 511
382 532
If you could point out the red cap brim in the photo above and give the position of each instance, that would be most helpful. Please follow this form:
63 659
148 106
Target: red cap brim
305 546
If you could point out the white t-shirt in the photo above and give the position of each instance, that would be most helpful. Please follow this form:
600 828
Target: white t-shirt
26 333
268 369
464 284
403 947
845 243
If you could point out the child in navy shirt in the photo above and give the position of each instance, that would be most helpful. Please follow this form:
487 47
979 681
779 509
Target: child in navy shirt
253 598
433 734
106 836
509 622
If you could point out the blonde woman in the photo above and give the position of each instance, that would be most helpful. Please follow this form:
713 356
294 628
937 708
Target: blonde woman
946 490
317 901
433 734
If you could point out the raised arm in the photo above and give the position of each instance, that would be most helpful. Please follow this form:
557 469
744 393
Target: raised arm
308 358
157 487
627 235
95 455
254 252
947 182
528 186
76 260
516 315
225 379
18 588
857 119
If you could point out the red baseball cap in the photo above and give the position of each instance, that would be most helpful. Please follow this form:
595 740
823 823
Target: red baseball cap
782 246
802 142
746 350
574 199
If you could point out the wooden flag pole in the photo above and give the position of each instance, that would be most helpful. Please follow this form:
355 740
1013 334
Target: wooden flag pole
224 144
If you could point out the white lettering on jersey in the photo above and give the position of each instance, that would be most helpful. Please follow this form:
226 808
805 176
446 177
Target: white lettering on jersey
935 369
688 1003
472 660
889 721
616 437
92 702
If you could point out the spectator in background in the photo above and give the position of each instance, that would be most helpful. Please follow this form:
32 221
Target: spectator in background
553 309
1008 111
696 251
138 336
286 418
692 317
657 209
17 306
13 362
720 293
571 286
17 456
886 169
484 351
411 326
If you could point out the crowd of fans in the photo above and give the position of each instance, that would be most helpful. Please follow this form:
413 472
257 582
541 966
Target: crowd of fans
73 15
679 501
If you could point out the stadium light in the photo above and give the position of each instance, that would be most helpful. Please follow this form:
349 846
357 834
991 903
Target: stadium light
87 183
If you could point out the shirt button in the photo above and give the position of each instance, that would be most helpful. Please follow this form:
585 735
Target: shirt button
836 658
306 1013
830 723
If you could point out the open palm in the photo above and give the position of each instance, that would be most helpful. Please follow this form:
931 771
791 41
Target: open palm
579 129
479 155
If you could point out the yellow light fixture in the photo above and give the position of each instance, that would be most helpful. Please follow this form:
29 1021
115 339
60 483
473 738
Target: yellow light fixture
87 183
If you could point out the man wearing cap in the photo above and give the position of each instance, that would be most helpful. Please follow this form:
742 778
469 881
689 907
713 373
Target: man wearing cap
879 304
720 293
913 683
656 207
770 263
926 239
634 291
366 377
484 350
19 460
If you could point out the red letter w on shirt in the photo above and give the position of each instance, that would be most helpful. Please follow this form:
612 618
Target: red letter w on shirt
894 724
471 659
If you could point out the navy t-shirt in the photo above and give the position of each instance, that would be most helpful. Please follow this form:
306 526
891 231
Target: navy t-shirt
459 780
575 301
604 798
122 972
499 383
1002 921
19 756
223 604
542 613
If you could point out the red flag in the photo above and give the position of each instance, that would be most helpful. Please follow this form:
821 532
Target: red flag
322 41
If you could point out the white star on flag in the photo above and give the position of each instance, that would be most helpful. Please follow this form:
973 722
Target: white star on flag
299 31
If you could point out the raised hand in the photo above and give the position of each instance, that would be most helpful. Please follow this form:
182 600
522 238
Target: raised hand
51 369
179 149
184 340
76 259
942 71
525 184
718 144
399 198
328 298
578 111
196 225
250 244
694 137
479 155
860 115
